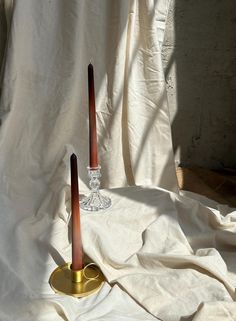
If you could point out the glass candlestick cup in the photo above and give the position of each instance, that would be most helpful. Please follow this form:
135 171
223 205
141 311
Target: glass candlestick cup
95 201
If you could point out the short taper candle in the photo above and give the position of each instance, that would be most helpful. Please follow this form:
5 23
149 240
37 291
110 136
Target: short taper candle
77 252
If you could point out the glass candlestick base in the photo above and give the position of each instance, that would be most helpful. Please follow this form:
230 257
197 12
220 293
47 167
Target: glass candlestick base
95 201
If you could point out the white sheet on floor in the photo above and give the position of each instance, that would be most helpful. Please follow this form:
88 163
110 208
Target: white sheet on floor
172 256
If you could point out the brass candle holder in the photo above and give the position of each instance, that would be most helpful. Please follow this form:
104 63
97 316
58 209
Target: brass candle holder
79 283
64 279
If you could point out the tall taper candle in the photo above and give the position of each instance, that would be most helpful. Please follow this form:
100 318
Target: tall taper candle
93 152
77 252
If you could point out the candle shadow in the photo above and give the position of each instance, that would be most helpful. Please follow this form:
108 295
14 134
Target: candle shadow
120 105
54 253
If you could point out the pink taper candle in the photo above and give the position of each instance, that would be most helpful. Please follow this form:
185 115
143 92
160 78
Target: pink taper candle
77 251
93 151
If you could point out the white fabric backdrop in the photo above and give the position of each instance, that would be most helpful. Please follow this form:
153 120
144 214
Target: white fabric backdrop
44 98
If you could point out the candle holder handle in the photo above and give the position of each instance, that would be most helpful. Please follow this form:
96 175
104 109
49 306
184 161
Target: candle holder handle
95 201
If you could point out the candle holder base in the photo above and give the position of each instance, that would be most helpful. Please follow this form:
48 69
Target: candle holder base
80 283
95 201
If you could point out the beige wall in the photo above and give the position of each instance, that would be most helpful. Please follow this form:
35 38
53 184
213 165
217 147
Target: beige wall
199 55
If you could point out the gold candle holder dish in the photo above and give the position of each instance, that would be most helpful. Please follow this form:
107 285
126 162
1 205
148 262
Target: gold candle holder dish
79 283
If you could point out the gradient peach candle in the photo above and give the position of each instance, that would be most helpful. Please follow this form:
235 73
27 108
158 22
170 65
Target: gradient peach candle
77 251
93 150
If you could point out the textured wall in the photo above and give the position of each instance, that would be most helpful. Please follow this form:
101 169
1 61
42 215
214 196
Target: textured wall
199 55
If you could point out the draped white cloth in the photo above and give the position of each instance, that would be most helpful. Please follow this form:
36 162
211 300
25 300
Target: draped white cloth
164 255
45 97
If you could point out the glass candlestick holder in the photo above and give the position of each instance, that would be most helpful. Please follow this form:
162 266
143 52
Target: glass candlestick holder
95 201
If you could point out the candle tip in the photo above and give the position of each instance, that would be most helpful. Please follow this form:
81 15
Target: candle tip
73 156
